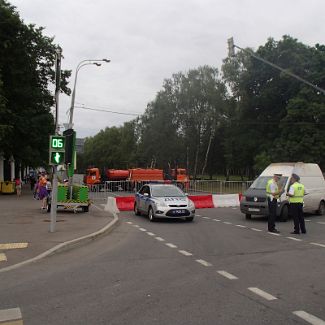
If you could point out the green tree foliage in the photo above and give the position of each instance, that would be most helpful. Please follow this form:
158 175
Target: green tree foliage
26 71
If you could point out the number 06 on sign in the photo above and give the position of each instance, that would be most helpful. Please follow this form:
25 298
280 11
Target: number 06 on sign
56 150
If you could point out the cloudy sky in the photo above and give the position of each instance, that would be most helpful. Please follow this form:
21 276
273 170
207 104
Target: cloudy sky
149 40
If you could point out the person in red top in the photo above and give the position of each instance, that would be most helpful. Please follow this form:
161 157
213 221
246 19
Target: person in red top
18 186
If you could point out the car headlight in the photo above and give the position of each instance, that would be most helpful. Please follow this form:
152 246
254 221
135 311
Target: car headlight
191 204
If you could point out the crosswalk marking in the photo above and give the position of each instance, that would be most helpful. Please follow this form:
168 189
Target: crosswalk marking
12 314
13 246
3 257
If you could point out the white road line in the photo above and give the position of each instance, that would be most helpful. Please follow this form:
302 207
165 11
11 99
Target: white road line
160 239
240 226
3 257
130 222
234 208
185 253
317 244
171 245
206 218
307 220
10 314
293 238
142 229
227 223
227 275
203 262
321 222
198 215
136 226
309 318
150 233
262 293
216 220
273 233
255 229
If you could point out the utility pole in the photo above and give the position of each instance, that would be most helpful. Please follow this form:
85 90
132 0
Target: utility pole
231 52
54 192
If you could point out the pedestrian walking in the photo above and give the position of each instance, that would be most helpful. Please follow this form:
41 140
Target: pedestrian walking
296 202
42 191
273 192
18 186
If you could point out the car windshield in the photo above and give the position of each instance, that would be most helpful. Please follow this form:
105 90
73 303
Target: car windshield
166 190
260 182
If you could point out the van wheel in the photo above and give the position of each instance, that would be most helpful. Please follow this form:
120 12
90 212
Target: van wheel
248 216
284 213
321 209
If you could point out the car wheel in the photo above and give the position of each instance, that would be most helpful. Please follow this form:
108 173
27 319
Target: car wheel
284 213
136 210
189 218
151 215
248 216
321 209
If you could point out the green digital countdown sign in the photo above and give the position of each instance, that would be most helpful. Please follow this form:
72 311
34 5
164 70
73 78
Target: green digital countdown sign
56 150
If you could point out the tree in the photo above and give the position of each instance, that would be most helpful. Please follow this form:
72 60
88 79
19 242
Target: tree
26 71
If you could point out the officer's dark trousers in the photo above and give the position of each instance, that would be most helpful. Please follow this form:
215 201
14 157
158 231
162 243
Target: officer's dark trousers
296 211
272 213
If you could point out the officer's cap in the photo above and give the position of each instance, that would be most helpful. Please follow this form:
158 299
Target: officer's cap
278 175
296 177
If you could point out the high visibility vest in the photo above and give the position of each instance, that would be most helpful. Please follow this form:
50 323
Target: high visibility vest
299 191
268 189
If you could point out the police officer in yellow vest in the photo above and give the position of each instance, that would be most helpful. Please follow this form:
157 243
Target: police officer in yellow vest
296 199
273 192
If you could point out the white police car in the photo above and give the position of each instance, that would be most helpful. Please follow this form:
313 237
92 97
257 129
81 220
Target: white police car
163 201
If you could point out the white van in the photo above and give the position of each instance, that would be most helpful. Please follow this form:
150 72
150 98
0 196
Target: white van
254 201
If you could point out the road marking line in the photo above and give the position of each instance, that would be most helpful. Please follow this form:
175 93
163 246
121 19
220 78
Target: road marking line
3 257
273 233
171 245
227 223
293 238
216 220
13 245
255 229
160 239
136 226
185 253
205 217
262 293
309 318
130 222
321 222
198 215
203 262
142 229
150 233
234 208
240 226
227 275
316 244
307 220
10 314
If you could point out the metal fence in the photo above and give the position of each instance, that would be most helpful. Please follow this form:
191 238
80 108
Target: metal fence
117 188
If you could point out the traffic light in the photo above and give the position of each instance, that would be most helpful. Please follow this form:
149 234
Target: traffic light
56 150
70 136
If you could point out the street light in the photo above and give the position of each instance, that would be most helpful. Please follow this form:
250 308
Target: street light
73 96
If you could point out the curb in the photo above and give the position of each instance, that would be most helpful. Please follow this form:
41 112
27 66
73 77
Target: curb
66 245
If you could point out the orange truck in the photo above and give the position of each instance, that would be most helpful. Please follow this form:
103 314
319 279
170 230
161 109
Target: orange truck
93 175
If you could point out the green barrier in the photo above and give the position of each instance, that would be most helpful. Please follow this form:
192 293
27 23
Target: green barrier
62 193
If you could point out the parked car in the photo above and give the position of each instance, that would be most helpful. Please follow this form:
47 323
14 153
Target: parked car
163 201
254 200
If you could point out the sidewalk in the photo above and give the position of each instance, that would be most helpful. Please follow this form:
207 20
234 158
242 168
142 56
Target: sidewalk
23 221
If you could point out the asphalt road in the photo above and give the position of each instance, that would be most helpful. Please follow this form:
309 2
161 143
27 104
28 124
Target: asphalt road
219 269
